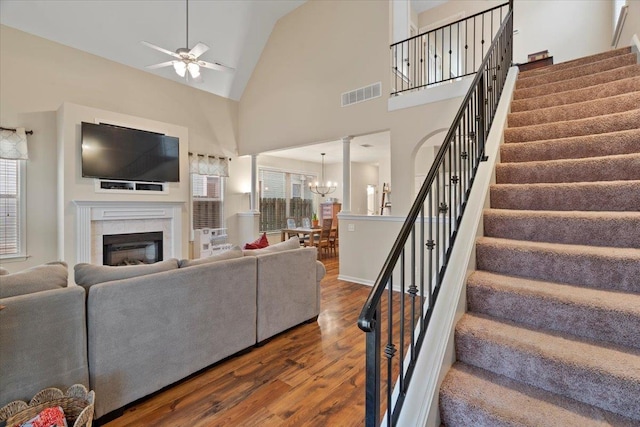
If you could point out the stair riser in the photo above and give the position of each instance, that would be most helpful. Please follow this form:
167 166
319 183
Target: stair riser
579 71
617 395
589 126
614 88
598 107
619 196
615 272
625 142
578 83
598 324
575 63
457 413
613 168
621 232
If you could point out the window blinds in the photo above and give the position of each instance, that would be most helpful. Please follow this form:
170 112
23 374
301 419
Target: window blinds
9 203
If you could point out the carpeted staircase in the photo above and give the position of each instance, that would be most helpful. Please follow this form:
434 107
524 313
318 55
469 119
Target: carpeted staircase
552 332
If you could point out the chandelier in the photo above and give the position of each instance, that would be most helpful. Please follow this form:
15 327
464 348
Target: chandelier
324 187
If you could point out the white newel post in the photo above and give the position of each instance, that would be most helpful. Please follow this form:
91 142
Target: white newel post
346 174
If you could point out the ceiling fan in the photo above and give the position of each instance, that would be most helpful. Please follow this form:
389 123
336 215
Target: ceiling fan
187 60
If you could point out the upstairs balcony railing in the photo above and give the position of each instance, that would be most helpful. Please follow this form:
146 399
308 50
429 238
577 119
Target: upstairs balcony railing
446 53
402 299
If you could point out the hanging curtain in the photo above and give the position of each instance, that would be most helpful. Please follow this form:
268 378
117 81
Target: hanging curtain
13 144
204 164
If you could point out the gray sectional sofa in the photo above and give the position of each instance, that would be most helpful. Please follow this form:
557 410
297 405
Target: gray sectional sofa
146 331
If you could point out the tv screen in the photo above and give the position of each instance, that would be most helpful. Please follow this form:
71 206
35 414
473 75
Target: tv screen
113 152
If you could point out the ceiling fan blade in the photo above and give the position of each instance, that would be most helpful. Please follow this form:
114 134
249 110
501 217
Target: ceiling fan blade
215 66
198 49
162 64
161 49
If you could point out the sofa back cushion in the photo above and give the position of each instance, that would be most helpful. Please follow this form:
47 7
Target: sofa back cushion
234 252
44 277
292 243
88 274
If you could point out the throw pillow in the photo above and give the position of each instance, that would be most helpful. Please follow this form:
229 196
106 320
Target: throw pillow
88 274
261 242
36 279
292 243
234 252
3 271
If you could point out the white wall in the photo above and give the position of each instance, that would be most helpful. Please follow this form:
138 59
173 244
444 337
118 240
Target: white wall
37 76
568 29
73 187
632 23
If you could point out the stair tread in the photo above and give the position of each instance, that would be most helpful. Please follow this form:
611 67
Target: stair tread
577 83
573 62
579 250
578 110
569 97
606 316
620 142
597 228
617 167
616 361
602 375
560 75
500 401
591 125
602 299
601 267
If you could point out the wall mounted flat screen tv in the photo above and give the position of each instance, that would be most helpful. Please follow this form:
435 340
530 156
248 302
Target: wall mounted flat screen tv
114 152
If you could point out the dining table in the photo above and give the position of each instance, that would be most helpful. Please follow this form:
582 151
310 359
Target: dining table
286 233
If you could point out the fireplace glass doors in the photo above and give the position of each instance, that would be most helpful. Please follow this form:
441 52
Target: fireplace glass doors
132 248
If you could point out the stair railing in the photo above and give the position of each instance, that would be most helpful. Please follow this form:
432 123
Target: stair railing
411 277
446 53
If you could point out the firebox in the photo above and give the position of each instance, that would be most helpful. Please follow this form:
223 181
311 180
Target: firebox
132 248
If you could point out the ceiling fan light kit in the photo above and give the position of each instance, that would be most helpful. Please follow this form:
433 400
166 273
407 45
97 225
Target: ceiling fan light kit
187 59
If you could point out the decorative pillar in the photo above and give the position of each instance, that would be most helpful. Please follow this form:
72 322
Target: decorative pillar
253 203
346 174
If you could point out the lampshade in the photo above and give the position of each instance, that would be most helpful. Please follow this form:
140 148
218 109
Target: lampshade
180 67
194 70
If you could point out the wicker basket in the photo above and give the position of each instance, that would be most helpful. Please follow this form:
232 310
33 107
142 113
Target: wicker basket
77 404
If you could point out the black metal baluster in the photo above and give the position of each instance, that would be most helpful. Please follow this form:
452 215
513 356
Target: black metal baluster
389 352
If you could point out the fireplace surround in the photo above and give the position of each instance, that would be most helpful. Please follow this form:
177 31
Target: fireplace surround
94 219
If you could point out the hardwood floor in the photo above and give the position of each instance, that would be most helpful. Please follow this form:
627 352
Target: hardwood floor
312 375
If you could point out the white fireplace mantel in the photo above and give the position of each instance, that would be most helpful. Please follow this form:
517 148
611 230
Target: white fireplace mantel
93 210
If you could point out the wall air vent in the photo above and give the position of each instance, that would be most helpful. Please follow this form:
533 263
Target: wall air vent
362 94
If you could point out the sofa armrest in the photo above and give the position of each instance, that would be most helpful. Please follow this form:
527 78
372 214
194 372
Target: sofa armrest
43 342
320 271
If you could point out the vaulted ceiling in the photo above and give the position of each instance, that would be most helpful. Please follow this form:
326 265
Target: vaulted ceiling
235 30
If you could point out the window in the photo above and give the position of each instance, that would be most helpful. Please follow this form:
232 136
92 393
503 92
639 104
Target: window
12 212
284 195
208 208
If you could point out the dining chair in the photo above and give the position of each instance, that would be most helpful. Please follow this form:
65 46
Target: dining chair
291 223
333 240
325 233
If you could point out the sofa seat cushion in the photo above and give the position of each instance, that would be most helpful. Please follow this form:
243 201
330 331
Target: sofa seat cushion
234 252
44 277
292 243
88 274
